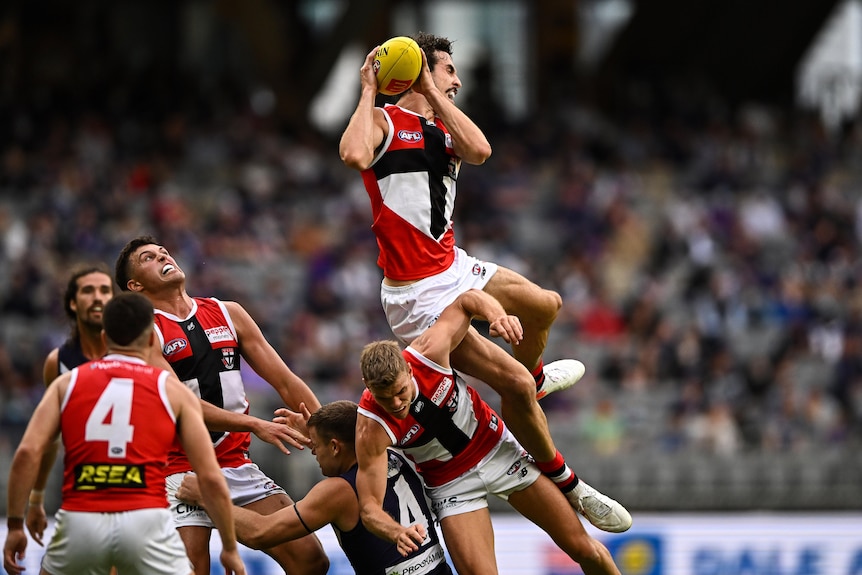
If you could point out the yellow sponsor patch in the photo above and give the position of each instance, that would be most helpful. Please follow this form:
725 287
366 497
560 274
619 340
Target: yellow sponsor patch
93 476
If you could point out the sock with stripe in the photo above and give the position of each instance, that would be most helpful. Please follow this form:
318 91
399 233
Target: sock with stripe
539 375
559 472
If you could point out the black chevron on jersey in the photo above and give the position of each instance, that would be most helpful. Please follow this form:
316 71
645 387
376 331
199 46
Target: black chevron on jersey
438 424
204 364
431 159
439 159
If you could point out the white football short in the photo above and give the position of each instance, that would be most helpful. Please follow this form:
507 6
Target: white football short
412 309
506 469
140 542
247 484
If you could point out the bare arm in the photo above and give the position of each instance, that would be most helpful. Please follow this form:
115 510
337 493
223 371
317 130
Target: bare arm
218 419
264 360
469 141
196 443
371 444
43 429
51 367
367 127
37 520
438 341
330 501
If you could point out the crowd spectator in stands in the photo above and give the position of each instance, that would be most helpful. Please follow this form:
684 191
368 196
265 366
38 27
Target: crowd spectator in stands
692 228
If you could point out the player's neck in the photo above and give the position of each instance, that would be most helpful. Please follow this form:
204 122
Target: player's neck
128 351
175 302
347 465
418 104
91 343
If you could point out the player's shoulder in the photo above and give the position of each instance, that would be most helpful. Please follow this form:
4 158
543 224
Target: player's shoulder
51 367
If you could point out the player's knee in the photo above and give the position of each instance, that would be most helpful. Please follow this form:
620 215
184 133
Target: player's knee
553 302
519 389
583 550
546 304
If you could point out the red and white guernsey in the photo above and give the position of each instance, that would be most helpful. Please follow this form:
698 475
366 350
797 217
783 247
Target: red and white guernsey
204 353
117 426
411 184
449 429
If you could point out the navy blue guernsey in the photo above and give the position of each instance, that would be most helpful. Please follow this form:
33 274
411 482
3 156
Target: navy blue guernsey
405 502
70 356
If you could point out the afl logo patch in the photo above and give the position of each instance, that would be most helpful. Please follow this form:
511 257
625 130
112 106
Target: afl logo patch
174 346
409 435
409 136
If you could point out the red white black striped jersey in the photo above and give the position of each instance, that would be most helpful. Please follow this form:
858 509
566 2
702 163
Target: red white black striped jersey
449 429
117 426
204 353
411 184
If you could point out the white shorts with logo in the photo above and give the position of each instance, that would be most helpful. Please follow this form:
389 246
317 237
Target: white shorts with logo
412 309
506 469
246 483
139 542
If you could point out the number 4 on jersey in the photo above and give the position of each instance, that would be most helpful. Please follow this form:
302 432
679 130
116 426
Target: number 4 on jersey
111 417
409 508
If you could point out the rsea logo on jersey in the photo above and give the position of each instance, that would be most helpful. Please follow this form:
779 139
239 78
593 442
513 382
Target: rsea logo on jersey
94 476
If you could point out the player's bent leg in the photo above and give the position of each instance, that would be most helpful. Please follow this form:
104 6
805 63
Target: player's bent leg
304 556
536 307
470 542
485 360
197 542
544 504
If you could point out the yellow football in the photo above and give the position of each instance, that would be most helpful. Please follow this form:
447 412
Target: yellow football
397 65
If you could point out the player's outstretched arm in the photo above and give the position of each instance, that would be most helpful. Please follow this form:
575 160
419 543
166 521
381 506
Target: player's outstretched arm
275 433
195 440
266 362
438 341
43 429
330 501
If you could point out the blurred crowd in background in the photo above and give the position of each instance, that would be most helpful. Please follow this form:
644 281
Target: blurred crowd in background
709 263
